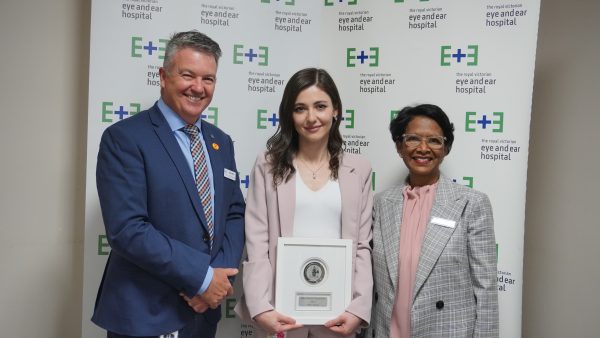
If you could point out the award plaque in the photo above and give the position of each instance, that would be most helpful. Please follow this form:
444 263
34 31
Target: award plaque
314 276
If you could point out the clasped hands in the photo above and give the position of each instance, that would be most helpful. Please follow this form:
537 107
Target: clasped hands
217 290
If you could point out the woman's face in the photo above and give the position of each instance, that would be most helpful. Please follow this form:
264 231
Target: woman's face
313 115
422 160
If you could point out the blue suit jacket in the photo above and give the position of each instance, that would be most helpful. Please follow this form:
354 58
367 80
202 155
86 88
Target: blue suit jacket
156 227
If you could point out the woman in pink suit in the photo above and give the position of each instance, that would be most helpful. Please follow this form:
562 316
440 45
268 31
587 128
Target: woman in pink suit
302 181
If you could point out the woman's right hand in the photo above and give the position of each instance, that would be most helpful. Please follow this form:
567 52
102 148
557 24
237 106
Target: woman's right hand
273 322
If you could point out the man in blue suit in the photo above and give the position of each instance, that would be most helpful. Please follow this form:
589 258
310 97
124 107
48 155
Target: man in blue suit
174 249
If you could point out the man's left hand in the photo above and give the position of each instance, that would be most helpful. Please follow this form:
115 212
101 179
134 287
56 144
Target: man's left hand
196 303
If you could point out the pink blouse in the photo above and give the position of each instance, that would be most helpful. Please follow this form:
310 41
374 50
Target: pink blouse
415 217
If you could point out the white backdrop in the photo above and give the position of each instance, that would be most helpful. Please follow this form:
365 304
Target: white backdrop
473 58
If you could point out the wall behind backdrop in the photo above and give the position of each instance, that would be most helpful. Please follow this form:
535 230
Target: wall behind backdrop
42 144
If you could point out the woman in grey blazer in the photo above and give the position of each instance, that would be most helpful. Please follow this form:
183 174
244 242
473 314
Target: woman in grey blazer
434 250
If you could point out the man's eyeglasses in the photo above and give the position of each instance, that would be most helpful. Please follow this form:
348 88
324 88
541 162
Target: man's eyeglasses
413 141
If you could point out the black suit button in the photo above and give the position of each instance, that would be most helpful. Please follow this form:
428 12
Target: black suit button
376 296
206 238
439 304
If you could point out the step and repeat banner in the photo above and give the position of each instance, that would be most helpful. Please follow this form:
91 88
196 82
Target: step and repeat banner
473 58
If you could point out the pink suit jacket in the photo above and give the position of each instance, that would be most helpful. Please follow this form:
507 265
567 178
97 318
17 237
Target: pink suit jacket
270 215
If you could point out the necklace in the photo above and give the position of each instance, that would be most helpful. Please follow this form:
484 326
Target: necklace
314 172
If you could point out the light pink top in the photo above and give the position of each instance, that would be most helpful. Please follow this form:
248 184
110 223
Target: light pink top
415 217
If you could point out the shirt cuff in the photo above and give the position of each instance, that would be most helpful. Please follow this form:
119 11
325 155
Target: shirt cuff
207 280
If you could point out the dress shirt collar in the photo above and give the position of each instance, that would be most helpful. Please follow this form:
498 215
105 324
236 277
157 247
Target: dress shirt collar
175 121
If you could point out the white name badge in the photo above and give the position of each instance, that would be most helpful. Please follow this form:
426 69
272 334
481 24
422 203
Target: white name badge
230 174
170 335
448 223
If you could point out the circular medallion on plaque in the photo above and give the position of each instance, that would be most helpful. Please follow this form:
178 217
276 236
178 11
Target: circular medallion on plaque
314 271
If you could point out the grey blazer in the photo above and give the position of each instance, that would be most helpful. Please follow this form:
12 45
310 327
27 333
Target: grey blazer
455 292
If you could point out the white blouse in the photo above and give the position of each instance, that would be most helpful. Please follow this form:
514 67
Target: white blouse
318 213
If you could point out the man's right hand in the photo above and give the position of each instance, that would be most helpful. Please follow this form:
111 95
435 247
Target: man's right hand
219 287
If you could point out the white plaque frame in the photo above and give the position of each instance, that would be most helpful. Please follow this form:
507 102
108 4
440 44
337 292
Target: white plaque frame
313 283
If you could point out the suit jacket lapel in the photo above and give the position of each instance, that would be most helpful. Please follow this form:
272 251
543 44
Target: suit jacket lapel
351 194
164 133
286 200
446 205
392 207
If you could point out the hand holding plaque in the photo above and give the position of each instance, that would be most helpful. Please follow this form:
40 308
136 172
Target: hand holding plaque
273 322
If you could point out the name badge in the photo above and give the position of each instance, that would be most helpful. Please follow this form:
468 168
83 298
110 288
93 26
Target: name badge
230 174
448 223
170 335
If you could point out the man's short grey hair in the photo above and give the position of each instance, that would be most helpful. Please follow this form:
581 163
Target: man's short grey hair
194 40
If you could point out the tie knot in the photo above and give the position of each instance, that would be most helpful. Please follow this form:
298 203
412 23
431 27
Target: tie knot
191 130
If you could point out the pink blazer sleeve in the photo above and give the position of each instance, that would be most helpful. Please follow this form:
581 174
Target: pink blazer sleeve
258 269
362 235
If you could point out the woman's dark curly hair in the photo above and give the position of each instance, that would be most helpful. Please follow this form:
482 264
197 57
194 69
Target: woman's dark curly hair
283 145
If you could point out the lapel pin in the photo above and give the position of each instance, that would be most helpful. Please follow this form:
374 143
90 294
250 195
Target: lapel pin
215 146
